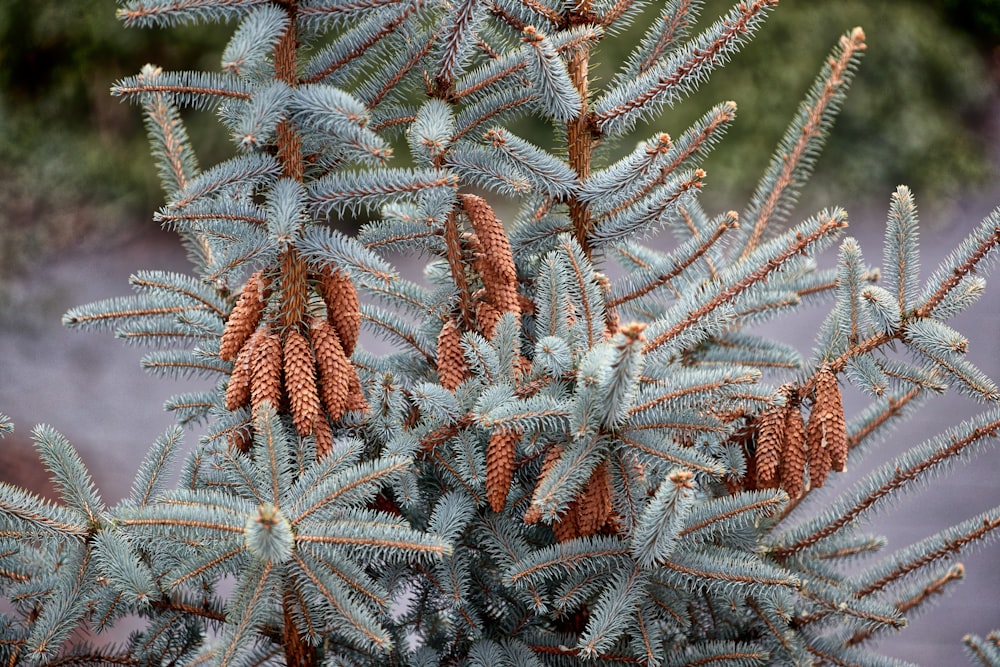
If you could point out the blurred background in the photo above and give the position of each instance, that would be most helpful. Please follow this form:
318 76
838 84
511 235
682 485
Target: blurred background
77 190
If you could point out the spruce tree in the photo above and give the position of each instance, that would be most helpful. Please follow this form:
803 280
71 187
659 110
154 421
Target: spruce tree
577 453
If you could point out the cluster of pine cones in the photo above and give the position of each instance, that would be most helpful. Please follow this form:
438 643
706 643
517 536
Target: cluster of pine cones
304 368
492 260
787 446
487 250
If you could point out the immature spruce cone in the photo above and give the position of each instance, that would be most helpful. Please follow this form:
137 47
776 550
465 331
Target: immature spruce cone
265 372
830 407
244 318
238 391
335 369
594 506
342 307
300 382
451 366
500 466
533 515
793 459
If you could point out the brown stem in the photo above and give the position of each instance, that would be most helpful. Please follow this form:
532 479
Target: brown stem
286 69
727 224
952 546
811 129
297 652
935 587
800 246
959 272
580 131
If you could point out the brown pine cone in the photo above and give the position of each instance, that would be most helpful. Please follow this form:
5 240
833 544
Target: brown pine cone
343 310
265 372
793 458
356 401
451 366
594 502
500 455
566 527
240 439
300 382
335 369
830 406
818 447
238 390
770 443
495 263
324 437
244 318
533 515
487 317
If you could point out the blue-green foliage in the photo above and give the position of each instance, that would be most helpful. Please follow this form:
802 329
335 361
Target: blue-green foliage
632 528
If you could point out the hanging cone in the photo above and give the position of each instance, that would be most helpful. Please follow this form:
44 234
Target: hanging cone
500 455
300 382
335 369
240 439
533 515
793 458
244 318
495 263
594 502
356 401
265 372
830 406
487 317
770 443
817 447
323 436
238 390
451 365
566 527
343 310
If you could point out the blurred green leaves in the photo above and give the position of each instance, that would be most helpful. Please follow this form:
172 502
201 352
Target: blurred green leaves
912 114
74 162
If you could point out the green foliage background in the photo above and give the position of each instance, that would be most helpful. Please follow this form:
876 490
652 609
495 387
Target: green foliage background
913 114
74 163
